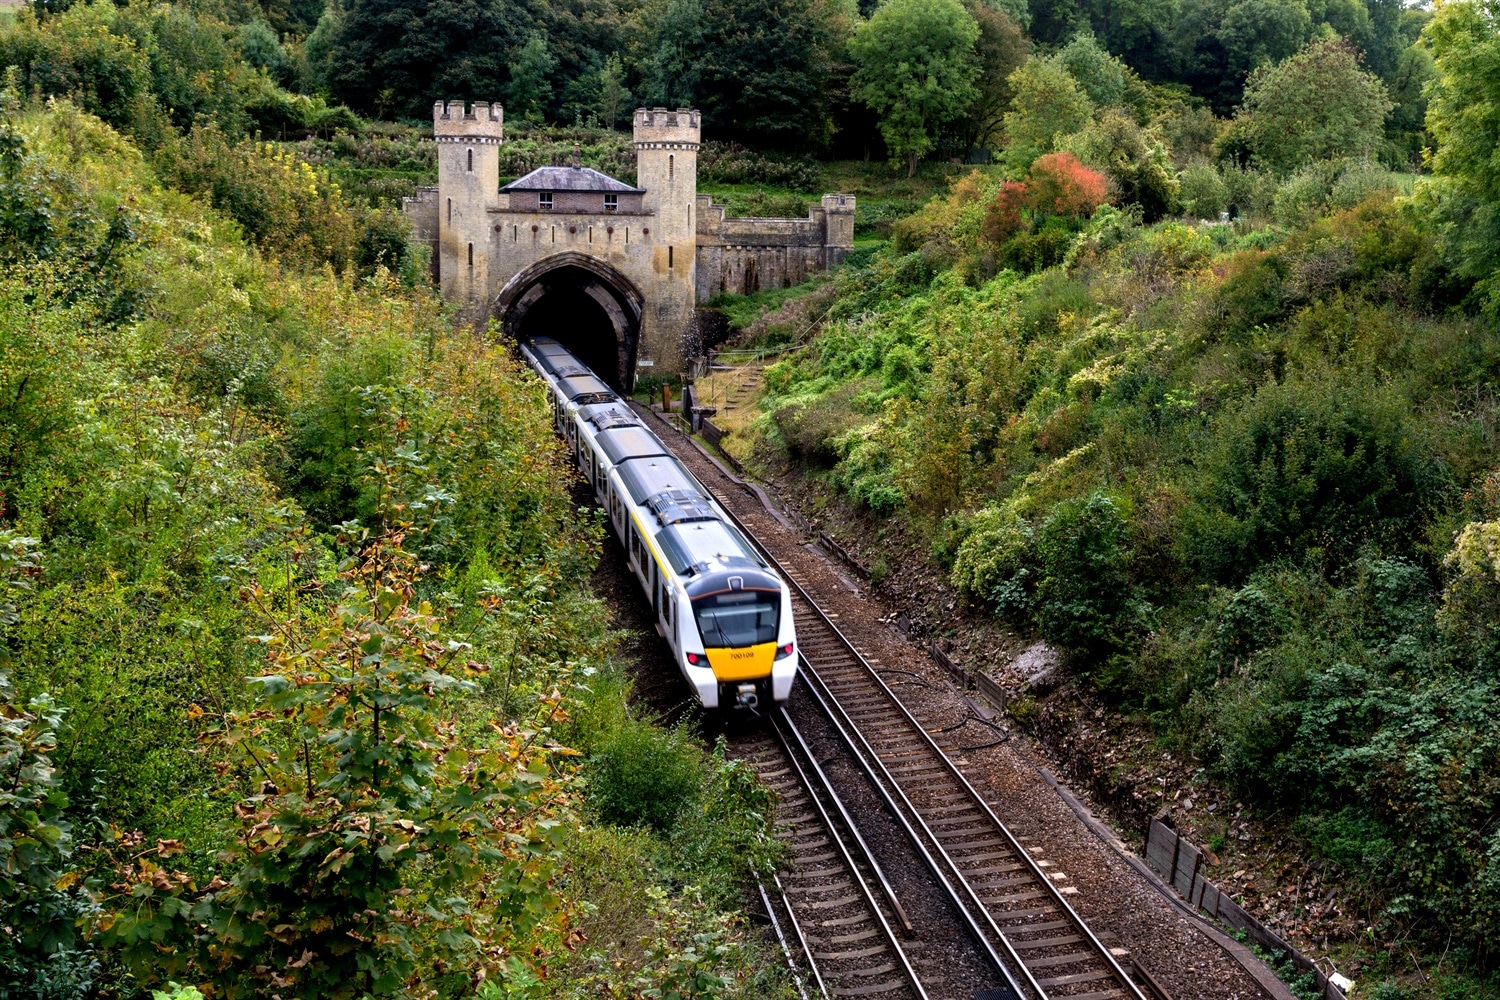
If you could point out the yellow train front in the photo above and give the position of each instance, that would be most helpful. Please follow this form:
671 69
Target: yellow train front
722 609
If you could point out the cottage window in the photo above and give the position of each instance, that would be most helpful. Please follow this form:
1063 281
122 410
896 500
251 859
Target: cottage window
611 202
545 201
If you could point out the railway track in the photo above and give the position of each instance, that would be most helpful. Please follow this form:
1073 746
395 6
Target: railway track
1014 907
837 915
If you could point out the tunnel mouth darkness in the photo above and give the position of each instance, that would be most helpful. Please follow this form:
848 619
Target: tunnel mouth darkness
586 306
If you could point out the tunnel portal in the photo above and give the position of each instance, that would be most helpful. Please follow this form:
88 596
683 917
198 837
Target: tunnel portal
584 304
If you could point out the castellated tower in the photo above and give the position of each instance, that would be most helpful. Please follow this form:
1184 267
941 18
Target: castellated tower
468 142
666 165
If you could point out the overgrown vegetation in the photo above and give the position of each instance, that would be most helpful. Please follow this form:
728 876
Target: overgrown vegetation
1245 473
228 452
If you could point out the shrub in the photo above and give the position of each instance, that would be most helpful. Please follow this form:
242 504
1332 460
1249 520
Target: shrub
642 775
996 562
811 427
367 820
1061 185
1202 192
291 209
41 902
1083 596
1313 466
1135 160
1002 217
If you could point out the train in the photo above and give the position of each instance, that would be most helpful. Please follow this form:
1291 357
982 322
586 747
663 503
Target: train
723 610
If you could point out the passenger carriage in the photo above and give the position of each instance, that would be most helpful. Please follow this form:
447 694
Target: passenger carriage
726 615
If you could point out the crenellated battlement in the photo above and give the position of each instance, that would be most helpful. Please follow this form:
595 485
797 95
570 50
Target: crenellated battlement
658 128
479 122
628 263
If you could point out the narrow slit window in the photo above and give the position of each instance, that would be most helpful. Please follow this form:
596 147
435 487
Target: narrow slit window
611 202
671 165
450 209
545 201
669 257
471 161
471 255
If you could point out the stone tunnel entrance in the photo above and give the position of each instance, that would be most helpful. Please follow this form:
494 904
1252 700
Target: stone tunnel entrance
584 304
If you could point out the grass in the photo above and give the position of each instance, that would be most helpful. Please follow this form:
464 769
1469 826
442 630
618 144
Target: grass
742 310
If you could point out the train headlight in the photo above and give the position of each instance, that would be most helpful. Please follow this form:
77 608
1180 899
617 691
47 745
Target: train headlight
784 651
695 658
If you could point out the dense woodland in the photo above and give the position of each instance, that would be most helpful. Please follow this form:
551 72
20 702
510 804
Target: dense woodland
1190 371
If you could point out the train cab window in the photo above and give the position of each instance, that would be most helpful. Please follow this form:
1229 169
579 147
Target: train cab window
738 617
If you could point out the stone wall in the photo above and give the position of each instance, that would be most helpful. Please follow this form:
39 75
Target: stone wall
744 256
422 209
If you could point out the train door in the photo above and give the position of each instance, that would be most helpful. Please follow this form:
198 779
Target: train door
664 605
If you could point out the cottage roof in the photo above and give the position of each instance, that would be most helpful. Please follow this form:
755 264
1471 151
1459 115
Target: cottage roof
569 179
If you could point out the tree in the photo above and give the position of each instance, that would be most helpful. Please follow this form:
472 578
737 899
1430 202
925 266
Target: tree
1317 105
1463 114
670 69
614 96
1100 74
530 90
766 70
1048 105
1001 50
1135 160
915 67
397 56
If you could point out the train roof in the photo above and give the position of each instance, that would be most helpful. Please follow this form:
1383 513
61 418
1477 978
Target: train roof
646 477
581 387
546 346
698 548
621 443
606 415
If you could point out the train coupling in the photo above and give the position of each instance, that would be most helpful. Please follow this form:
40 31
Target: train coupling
747 696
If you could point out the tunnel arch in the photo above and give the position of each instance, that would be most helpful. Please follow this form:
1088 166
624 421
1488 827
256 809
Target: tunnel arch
582 302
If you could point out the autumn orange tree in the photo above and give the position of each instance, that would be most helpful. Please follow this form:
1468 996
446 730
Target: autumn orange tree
1057 184
379 847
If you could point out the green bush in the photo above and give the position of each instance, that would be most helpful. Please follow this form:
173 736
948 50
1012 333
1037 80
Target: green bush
1084 601
1202 192
642 775
1312 466
812 427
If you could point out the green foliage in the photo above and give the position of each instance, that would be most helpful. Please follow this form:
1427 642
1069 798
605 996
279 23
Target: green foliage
1049 104
915 67
1100 74
530 89
1001 49
644 775
1202 192
1083 597
1136 162
292 210
1317 105
365 823
41 901
1312 467
1463 116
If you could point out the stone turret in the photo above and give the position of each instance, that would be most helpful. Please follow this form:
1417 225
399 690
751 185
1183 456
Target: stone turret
468 141
666 165
838 240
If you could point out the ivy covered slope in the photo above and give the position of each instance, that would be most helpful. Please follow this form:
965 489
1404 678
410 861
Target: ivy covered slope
299 673
1247 475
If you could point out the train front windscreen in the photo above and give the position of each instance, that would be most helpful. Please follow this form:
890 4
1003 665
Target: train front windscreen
738 618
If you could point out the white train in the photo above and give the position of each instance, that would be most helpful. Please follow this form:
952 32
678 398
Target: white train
724 612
